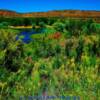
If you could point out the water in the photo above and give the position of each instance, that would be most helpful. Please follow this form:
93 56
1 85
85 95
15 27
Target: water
25 35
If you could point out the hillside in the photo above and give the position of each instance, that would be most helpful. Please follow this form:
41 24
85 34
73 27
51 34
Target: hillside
64 13
8 13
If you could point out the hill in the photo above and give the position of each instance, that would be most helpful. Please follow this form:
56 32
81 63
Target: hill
63 13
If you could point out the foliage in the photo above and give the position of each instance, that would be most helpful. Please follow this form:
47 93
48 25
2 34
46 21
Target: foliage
51 63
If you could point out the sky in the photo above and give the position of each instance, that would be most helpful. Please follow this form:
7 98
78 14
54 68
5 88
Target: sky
23 6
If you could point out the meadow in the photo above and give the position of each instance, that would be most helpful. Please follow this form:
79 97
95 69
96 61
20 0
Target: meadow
62 60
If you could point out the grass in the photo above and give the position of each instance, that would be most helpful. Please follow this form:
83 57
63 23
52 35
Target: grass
65 66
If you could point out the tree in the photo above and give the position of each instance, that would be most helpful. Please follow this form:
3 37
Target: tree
27 21
59 26
4 25
89 24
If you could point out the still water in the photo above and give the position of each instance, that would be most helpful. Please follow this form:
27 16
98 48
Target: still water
25 35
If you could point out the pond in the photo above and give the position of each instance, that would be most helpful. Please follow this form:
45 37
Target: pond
25 35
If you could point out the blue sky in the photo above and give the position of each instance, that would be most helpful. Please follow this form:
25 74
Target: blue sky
47 5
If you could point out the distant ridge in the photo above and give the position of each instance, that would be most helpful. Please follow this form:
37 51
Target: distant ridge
55 13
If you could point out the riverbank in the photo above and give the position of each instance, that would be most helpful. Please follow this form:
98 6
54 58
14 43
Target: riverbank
26 27
21 27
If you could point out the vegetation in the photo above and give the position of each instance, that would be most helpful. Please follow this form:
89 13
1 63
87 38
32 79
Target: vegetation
62 61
